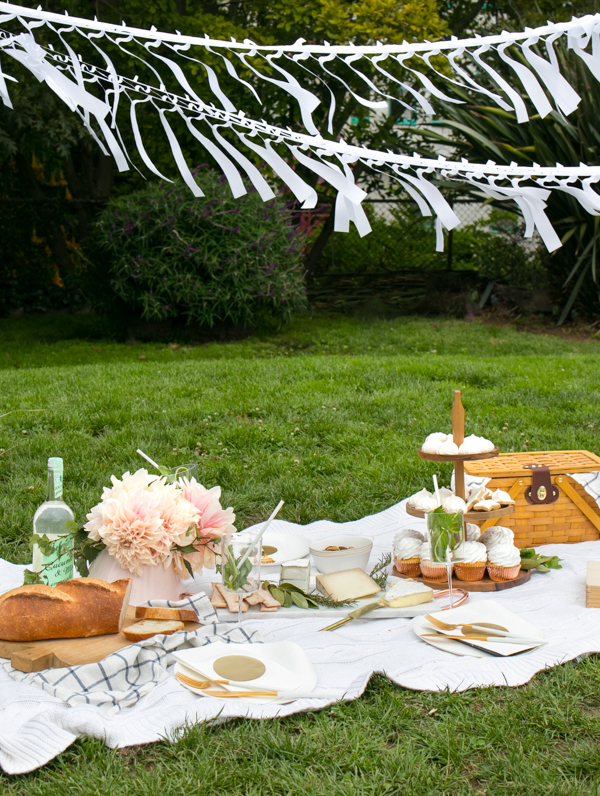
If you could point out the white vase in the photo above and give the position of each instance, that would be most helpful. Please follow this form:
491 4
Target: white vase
155 583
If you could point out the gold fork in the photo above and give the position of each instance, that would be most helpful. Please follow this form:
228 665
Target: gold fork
199 683
467 629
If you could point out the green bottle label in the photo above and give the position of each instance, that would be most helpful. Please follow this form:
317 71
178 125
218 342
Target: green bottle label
55 567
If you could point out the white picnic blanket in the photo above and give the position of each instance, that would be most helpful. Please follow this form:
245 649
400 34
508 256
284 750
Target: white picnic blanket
36 725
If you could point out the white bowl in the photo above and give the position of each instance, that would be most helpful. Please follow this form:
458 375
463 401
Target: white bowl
337 560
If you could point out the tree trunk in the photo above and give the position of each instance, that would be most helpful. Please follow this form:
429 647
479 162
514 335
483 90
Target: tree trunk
90 182
48 226
314 255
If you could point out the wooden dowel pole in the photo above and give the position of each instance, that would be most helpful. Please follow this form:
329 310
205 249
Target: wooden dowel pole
458 435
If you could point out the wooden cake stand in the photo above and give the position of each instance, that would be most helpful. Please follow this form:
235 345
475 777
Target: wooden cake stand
458 435
470 516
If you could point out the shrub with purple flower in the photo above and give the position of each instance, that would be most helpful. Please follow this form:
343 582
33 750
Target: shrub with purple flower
211 260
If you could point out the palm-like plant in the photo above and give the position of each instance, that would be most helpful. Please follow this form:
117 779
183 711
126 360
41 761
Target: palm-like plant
482 132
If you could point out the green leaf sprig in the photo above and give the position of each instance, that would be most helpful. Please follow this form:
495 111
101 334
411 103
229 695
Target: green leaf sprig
235 574
444 534
532 560
287 595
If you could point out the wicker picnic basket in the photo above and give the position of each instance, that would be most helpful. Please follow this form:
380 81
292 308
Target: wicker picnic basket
550 507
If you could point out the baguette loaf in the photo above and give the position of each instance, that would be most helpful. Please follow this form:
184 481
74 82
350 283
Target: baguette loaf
72 609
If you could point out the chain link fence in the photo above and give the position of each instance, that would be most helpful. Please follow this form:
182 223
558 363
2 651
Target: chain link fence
397 268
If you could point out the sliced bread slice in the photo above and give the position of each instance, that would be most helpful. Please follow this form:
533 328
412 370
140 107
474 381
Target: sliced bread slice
150 612
151 627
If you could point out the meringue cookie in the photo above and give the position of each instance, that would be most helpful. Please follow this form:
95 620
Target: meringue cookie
471 553
430 446
497 534
407 547
472 532
437 435
504 555
502 497
454 505
414 499
427 504
448 448
475 444
445 493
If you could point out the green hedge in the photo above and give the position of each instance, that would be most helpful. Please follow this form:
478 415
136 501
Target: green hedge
210 260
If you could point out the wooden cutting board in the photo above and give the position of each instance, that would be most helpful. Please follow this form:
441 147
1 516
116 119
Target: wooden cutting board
33 656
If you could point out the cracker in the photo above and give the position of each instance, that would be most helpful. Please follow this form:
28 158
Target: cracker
217 600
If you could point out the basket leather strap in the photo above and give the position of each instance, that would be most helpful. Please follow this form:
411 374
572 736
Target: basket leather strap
541 492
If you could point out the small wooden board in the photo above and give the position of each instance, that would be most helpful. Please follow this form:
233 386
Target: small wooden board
485 584
33 656
470 516
459 457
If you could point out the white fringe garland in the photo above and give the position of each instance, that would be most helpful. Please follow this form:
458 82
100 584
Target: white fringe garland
69 77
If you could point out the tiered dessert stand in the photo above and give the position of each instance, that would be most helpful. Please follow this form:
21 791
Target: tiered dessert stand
458 435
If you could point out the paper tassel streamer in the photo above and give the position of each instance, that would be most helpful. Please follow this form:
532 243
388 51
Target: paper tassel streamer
301 71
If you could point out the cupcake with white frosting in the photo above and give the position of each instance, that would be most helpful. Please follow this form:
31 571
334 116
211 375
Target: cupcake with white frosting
431 569
408 532
497 534
504 561
472 532
473 557
407 555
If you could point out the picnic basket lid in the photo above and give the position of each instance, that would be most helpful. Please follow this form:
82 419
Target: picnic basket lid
512 464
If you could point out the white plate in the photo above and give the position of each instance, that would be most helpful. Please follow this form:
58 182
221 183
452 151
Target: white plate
484 611
289 547
254 612
287 667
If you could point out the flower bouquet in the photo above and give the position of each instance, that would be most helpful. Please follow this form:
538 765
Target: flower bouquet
156 531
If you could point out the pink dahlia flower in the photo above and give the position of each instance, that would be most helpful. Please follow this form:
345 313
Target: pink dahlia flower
214 523
142 521
131 528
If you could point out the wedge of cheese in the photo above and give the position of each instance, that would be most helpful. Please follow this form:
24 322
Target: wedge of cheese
405 593
350 584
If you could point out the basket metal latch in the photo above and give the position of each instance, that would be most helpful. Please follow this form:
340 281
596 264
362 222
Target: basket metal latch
541 491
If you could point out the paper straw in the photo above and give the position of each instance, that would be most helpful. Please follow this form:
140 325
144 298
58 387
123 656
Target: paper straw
260 535
148 459
436 489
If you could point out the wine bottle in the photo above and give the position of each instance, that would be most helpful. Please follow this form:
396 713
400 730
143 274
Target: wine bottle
55 563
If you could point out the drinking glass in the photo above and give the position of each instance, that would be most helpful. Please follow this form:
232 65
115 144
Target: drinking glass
241 555
446 532
183 471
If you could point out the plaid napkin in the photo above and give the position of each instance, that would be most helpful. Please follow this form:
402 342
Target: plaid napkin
122 678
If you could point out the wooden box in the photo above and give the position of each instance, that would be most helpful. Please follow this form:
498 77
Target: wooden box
573 517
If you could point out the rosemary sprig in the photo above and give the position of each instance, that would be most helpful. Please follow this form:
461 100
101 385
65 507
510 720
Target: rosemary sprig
329 602
381 566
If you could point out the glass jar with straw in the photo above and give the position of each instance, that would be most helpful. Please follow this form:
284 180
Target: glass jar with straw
239 564
445 534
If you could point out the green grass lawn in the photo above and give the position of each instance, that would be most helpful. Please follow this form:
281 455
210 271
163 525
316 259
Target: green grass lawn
328 415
